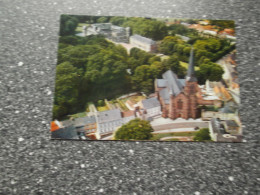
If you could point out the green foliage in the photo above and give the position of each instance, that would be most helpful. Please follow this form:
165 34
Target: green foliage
222 24
102 19
173 63
68 24
202 135
66 89
143 79
101 103
134 130
209 71
147 27
118 20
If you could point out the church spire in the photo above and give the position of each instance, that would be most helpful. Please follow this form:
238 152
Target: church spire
191 72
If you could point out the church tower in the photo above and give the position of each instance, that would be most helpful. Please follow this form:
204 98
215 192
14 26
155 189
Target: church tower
191 88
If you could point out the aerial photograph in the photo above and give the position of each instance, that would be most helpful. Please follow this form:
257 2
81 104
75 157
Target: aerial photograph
146 79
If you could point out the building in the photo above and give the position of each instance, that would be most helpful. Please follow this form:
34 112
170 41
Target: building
110 31
143 43
180 98
85 125
151 107
108 121
64 133
219 134
231 127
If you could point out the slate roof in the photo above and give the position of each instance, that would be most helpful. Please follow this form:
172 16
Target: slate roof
164 94
173 84
161 83
103 26
143 39
84 121
150 103
67 123
65 133
109 115
231 123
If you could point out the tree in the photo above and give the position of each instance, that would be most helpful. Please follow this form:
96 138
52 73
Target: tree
209 71
202 135
136 129
173 64
102 19
143 79
66 89
68 25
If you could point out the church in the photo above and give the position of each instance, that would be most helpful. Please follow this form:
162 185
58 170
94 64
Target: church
180 98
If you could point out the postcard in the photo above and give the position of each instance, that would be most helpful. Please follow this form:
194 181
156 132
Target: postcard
146 79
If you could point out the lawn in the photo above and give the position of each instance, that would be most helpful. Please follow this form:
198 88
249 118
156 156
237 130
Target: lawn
102 108
185 65
78 115
158 136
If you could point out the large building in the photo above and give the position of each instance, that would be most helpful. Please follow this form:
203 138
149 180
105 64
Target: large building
110 31
180 98
143 43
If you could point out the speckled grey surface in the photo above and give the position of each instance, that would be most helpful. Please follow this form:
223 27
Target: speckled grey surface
30 163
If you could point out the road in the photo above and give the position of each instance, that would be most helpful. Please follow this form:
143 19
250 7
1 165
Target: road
180 125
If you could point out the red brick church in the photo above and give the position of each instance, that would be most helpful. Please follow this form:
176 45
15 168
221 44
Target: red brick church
180 98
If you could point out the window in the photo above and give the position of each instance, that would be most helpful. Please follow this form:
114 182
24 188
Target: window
179 104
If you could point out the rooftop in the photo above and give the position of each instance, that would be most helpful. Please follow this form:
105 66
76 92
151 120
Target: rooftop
150 103
84 120
231 123
143 39
109 115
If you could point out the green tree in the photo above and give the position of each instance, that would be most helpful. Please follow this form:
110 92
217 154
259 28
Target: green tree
102 20
143 79
202 135
66 89
68 25
173 64
136 129
209 71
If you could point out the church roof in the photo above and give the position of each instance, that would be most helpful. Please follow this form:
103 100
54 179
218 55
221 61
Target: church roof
164 94
173 83
143 39
150 103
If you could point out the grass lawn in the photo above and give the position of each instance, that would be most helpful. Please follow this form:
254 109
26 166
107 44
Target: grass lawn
185 65
158 136
136 99
102 108
122 105
78 115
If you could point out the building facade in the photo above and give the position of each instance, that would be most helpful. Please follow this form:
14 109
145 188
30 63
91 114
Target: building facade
180 98
143 43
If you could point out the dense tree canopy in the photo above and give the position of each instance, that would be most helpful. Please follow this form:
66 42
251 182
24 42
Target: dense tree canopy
202 135
146 27
136 129
68 25
66 89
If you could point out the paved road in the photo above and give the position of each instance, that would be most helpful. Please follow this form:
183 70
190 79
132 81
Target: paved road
180 125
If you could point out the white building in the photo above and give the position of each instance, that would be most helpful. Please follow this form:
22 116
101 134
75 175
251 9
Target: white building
143 43
152 107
